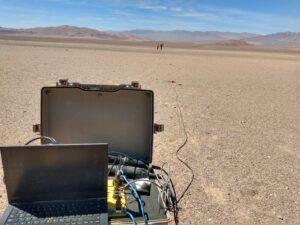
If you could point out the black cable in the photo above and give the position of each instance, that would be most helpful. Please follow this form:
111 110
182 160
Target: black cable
181 147
173 191
127 160
111 168
118 153
49 139
175 203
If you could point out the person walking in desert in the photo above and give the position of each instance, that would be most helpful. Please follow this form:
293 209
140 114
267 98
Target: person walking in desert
161 46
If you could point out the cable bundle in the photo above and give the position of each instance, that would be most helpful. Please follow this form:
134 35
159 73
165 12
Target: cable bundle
136 195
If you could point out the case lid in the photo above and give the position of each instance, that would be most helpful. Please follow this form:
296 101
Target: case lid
121 116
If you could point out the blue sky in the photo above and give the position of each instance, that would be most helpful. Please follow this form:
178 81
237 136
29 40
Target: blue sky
259 16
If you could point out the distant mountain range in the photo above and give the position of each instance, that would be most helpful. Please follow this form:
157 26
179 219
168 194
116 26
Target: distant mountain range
67 31
276 40
197 37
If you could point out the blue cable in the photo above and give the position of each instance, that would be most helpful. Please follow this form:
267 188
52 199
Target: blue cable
136 195
111 211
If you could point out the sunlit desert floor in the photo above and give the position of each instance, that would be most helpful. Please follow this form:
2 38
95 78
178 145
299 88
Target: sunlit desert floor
241 111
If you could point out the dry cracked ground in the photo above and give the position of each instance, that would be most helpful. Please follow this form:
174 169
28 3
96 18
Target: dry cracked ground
241 111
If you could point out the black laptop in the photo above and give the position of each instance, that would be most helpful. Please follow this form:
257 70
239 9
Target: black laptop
55 184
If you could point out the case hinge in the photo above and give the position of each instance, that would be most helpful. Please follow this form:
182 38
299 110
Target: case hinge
158 128
36 128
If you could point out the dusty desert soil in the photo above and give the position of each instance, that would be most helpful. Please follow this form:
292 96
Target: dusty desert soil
241 112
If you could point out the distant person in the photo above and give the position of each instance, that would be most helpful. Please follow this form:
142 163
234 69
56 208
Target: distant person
161 46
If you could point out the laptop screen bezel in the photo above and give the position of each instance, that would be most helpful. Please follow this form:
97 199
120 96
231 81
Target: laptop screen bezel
103 151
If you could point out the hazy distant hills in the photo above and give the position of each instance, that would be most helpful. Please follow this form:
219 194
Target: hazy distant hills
230 43
277 40
198 37
66 31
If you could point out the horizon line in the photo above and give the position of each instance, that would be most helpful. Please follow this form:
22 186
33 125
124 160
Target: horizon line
141 29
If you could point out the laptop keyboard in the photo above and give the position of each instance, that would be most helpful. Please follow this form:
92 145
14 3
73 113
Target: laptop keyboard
70 213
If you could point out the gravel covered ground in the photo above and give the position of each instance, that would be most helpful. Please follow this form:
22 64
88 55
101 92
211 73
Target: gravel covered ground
241 112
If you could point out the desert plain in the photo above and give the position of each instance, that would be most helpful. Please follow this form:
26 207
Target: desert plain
240 108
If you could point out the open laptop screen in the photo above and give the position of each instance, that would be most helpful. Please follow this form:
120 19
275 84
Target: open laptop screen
55 172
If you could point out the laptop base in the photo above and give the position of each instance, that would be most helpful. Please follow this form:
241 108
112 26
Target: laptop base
72 212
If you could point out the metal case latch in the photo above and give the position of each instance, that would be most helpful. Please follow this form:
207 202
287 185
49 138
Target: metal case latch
136 84
158 128
62 82
36 128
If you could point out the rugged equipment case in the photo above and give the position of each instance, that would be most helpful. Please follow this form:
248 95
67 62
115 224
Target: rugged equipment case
121 115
